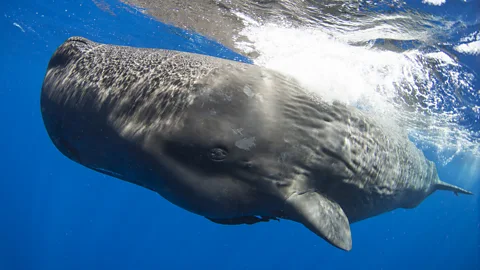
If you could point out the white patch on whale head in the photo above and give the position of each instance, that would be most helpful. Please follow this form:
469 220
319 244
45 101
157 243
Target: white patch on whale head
245 143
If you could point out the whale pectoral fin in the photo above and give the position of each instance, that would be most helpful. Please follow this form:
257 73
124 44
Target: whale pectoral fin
322 216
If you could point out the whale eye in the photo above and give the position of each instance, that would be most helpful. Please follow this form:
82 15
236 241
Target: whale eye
218 154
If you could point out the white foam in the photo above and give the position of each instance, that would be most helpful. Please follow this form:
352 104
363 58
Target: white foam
400 85
471 37
434 2
334 70
469 48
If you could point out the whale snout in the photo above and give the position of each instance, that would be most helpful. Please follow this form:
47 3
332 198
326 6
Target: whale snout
69 51
79 43
78 40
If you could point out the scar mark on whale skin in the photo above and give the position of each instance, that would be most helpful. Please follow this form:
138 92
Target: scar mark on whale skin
248 91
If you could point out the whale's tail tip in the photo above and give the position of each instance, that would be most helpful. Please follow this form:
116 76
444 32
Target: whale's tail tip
446 186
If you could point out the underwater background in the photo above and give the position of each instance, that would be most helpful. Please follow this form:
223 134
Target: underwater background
412 62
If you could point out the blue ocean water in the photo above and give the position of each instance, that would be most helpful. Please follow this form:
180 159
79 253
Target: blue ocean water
57 214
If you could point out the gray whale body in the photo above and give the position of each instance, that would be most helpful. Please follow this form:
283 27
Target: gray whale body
233 142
